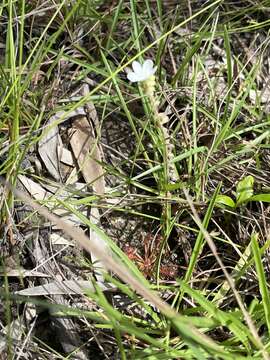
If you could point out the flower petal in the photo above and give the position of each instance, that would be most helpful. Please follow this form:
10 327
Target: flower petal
137 67
147 65
153 70
141 72
148 69
132 76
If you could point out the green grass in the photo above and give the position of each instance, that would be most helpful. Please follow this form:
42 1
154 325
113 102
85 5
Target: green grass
213 220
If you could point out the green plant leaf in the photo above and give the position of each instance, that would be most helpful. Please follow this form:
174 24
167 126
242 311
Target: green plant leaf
225 200
261 278
172 187
261 197
244 190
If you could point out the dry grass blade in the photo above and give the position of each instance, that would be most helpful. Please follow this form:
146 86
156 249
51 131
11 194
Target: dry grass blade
100 267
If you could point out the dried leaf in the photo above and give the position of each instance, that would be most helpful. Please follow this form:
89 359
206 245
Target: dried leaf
49 144
62 288
57 239
22 273
65 156
39 193
86 151
48 149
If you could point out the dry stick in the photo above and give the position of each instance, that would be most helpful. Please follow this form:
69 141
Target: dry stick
228 277
78 236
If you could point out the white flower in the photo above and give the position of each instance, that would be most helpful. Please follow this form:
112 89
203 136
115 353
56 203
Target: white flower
141 72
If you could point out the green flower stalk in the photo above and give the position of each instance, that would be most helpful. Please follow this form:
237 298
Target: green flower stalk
144 73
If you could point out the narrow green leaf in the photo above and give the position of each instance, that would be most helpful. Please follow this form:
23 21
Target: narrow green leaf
229 71
230 320
261 278
260 197
199 244
135 24
114 23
